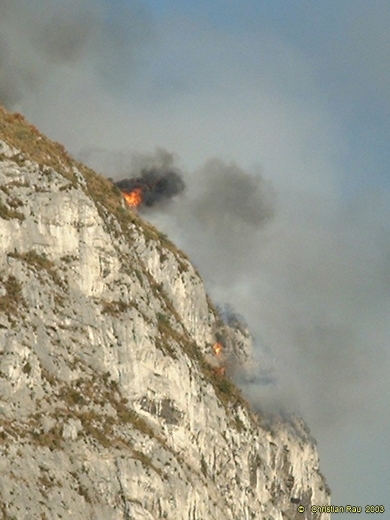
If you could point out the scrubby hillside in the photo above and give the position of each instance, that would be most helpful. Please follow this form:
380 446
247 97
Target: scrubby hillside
114 401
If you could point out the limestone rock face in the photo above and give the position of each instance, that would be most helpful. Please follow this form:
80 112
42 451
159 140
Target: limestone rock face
113 401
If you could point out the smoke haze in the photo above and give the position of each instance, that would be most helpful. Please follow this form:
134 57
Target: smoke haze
300 247
158 180
43 41
309 276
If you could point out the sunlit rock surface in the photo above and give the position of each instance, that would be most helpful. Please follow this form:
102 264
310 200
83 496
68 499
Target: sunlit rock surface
113 404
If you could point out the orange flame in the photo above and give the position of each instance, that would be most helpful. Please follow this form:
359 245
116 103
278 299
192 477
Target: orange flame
218 348
133 198
219 371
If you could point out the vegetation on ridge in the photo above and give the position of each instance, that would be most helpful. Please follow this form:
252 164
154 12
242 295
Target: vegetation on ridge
34 145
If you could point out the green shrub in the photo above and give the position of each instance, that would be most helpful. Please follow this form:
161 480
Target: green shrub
40 262
10 302
8 214
114 308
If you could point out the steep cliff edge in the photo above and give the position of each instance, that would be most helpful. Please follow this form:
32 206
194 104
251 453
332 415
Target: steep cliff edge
111 401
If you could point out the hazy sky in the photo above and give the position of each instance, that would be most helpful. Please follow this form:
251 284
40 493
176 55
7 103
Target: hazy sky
278 113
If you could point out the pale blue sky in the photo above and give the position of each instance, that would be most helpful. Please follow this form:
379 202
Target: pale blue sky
346 47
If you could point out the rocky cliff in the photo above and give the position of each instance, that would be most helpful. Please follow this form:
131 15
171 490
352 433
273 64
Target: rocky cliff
113 402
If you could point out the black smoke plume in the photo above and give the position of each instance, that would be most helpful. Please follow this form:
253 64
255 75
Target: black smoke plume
157 184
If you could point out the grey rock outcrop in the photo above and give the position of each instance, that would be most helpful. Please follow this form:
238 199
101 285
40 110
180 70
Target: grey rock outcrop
112 404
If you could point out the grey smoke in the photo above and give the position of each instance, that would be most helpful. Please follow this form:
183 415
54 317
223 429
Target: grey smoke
310 275
230 316
41 40
159 181
63 35
313 290
313 281
11 80
225 208
227 195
